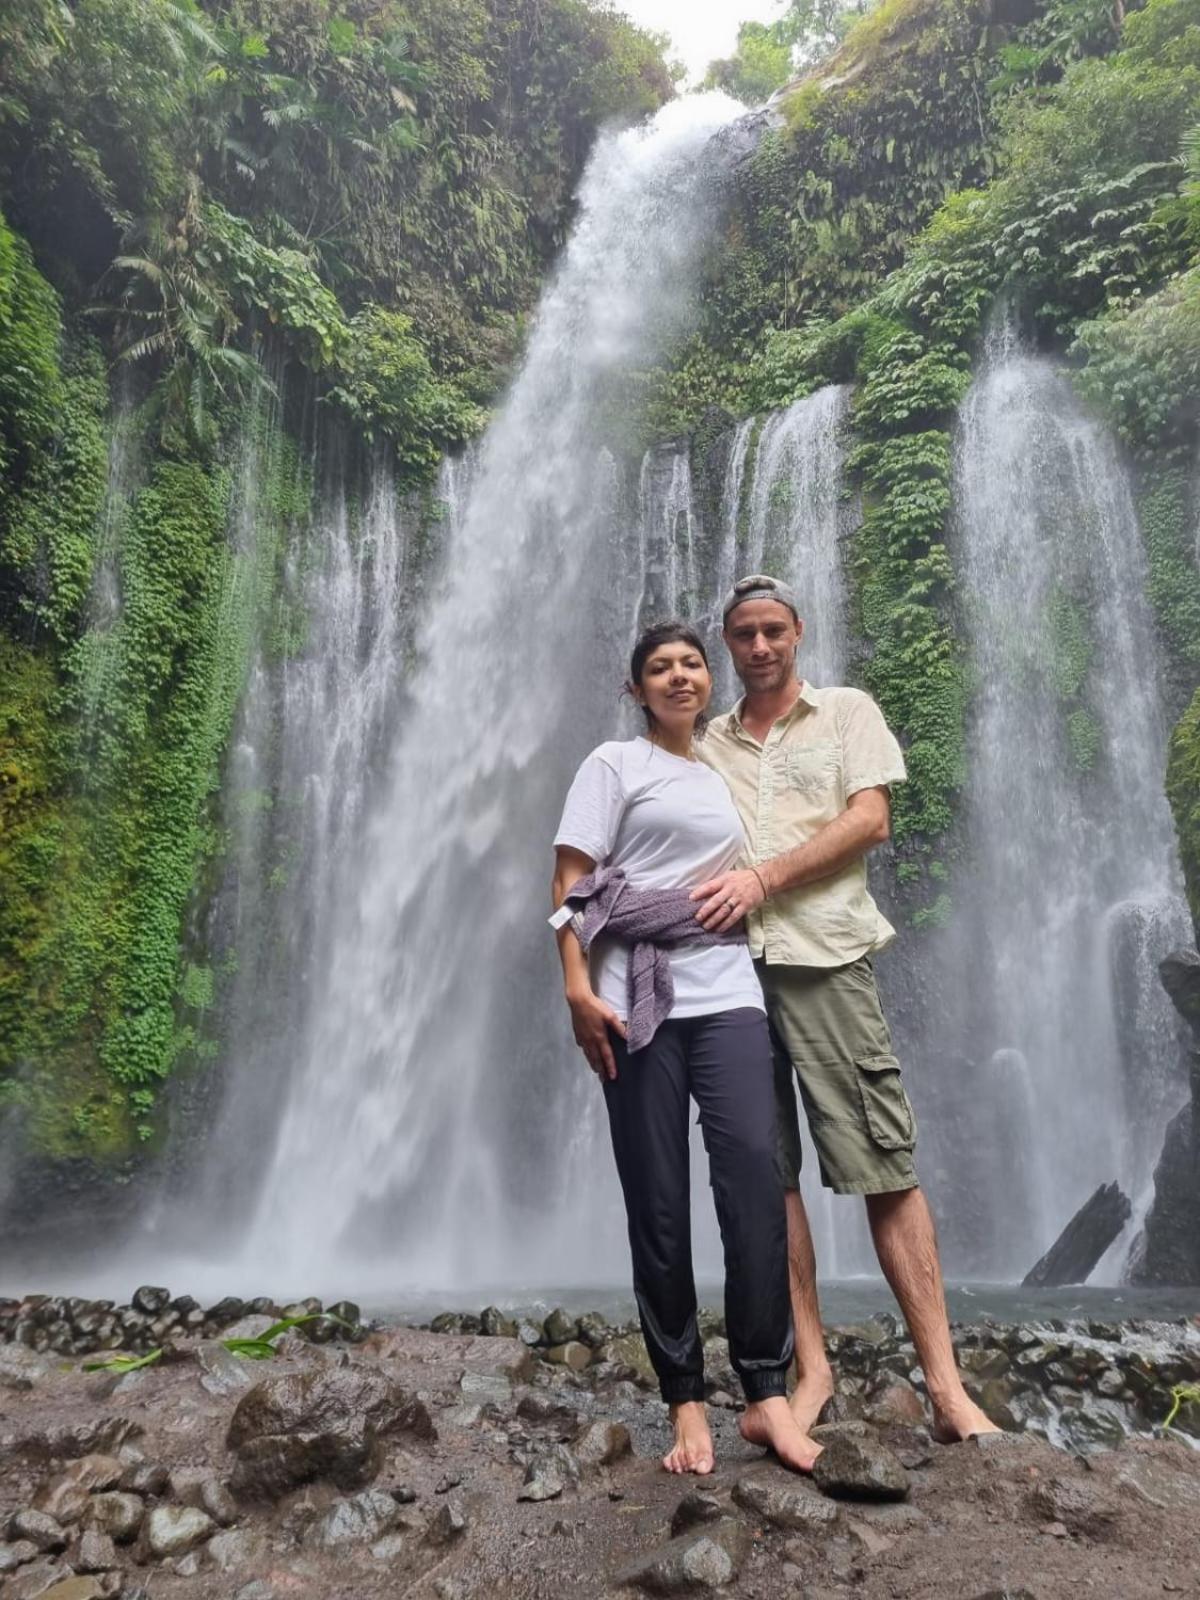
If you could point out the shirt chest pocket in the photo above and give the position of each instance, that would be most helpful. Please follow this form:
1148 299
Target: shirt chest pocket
812 769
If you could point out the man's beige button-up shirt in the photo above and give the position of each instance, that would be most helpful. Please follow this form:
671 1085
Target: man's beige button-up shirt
832 743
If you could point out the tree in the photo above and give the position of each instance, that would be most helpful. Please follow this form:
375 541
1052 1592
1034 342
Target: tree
768 54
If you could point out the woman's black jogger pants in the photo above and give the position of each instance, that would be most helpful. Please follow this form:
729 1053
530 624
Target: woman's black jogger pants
723 1062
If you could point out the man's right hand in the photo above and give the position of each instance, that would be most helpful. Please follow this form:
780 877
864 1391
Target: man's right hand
591 1019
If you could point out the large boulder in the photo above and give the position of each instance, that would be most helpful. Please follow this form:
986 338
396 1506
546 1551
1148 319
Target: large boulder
327 1423
1168 1249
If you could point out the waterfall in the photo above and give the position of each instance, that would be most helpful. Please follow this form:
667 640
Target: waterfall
435 1121
1064 1059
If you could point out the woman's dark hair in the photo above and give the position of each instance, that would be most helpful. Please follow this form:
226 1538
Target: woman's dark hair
650 639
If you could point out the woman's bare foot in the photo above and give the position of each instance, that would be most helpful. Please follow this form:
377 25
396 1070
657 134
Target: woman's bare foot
960 1419
770 1423
808 1398
693 1448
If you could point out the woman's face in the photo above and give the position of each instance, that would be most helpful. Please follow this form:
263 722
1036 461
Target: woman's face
676 685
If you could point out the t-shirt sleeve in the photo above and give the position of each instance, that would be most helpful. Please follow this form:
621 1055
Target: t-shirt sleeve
592 813
871 753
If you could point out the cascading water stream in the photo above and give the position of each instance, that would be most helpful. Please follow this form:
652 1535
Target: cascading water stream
435 1116
1068 892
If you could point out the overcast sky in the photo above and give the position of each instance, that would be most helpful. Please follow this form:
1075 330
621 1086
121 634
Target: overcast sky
701 29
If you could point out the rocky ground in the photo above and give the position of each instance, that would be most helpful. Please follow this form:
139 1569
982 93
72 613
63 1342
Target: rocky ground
521 1459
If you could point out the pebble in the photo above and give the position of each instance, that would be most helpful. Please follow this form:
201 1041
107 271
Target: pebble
39 1529
173 1530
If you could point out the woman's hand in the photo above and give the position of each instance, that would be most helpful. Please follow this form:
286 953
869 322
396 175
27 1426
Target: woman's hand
727 899
591 1019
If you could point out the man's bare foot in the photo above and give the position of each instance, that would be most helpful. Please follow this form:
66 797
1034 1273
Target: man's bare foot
960 1419
693 1448
808 1398
770 1423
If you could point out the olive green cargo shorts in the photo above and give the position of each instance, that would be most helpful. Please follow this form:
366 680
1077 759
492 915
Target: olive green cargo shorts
828 1027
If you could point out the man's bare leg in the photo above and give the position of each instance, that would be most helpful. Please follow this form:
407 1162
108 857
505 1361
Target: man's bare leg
814 1376
906 1244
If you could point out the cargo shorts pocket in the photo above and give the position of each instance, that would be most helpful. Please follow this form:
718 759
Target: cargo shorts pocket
885 1103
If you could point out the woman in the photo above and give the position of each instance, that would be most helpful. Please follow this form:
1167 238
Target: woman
664 1011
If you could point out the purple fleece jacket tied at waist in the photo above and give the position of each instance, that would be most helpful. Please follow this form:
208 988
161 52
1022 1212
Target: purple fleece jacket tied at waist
650 921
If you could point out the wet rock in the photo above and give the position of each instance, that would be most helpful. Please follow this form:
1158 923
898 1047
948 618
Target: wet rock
358 1520
854 1428
237 1548
96 1552
16 1555
593 1330
897 1403
601 1444
529 1332
39 1529
859 1469
221 1372
118 1515
1089 1233
560 1327
1086 1430
783 1505
995 1400
574 1355
630 1351
709 1557
145 1478
448 1523
330 1423
173 1530
840 1408
493 1324
694 1510
151 1301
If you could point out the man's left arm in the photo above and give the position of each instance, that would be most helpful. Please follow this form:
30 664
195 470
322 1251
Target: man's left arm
865 823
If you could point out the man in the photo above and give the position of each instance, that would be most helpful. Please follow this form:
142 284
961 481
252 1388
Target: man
810 771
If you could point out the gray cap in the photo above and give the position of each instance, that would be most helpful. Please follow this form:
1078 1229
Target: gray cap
758 586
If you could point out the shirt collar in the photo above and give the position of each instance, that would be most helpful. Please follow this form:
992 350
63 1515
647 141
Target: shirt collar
808 699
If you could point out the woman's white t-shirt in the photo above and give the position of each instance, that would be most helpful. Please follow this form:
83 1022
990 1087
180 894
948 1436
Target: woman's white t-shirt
668 823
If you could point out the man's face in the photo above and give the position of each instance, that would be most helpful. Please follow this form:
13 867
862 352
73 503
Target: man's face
762 636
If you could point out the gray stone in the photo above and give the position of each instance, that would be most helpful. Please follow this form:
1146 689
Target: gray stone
693 1511
574 1355
630 1351
16 1555
118 1515
486 1387
173 1530
709 1557
448 1523
221 1372
601 1444
95 1472
859 1469
96 1552
1083 1507
145 1477
393 1546
358 1520
544 1480
851 1428
983 1364
593 1330
39 1529
791 1507
236 1548
328 1423
530 1333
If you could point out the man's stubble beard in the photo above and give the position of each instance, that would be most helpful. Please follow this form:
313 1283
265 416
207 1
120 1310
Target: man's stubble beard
775 682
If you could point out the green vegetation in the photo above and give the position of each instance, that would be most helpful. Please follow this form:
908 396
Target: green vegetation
360 201
1183 791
